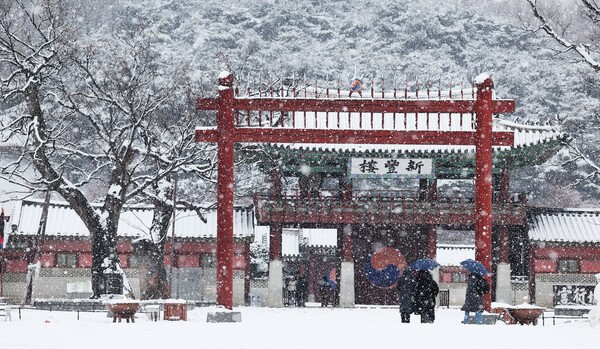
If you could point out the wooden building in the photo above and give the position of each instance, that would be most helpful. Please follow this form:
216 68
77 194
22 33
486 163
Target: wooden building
65 252
564 252
386 202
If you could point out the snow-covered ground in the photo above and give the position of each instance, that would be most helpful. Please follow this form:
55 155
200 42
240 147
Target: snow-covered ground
287 328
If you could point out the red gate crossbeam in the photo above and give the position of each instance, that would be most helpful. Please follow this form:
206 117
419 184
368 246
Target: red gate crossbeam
291 135
356 105
227 134
294 135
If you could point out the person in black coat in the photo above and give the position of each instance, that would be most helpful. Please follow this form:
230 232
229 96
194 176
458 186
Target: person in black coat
406 297
477 286
301 291
426 289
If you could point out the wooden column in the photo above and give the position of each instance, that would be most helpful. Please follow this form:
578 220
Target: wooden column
276 184
504 199
247 274
432 196
431 242
275 241
345 187
503 243
225 124
347 251
483 178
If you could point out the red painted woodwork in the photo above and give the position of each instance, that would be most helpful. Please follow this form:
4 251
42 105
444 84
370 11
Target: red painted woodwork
483 179
276 183
225 153
357 105
293 135
16 266
239 262
590 266
544 266
48 260
167 260
347 234
124 261
226 134
85 260
124 247
275 241
67 245
432 242
188 261
567 252
331 210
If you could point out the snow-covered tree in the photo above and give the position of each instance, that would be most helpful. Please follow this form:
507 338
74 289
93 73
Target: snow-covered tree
573 29
90 111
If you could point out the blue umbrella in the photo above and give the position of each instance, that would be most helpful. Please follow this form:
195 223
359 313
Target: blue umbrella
424 264
475 267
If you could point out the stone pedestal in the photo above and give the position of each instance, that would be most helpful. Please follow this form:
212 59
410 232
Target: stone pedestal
503 285
347 285
224 316
275 295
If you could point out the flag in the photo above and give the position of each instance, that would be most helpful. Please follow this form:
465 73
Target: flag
2 229
331 278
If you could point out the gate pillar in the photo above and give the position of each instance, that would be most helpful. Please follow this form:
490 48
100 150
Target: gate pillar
483 178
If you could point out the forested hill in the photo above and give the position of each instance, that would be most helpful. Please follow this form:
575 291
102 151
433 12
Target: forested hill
423 40
445 41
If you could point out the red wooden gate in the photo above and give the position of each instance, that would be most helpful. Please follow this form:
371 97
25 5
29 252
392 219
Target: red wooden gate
231 128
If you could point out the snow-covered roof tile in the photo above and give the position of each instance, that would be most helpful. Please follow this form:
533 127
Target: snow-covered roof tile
564 225
134 222
525 135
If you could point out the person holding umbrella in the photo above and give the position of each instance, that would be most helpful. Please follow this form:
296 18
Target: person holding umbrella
477 286
426 289
406 294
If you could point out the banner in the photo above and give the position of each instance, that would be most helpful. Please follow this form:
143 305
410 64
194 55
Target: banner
390 167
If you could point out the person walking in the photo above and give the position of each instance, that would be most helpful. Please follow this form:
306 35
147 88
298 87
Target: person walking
477 286
324 290
406 297
291 291
426 289
301 291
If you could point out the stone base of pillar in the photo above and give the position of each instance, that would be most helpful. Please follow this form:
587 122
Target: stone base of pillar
504 292
224 316
347 285
275 293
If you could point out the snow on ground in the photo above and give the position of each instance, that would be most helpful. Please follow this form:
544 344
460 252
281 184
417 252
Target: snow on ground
287 328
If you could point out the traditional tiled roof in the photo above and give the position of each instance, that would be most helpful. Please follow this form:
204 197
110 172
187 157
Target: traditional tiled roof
134 222
525 136
564 225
